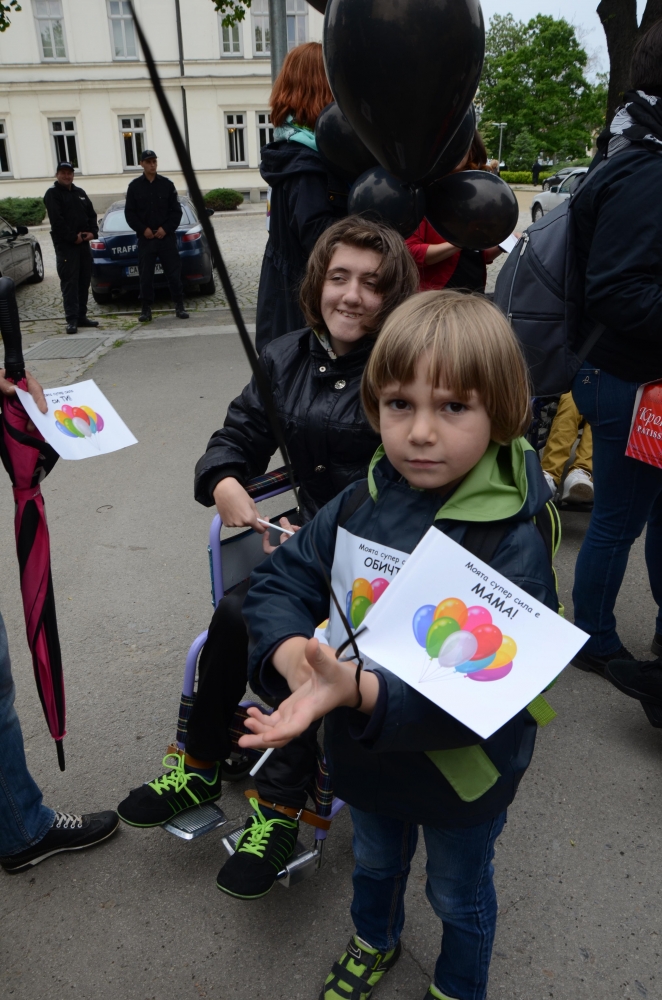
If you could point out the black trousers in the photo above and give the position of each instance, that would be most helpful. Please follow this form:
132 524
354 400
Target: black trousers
222 678
165 250
74 269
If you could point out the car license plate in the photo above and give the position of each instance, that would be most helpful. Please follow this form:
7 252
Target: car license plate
132 272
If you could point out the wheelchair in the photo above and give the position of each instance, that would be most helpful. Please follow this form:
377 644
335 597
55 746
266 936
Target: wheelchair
231 561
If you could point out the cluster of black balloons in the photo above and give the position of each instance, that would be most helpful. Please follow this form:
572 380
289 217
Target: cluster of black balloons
404 74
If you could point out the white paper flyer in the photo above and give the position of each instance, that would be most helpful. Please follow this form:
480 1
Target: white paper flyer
465 636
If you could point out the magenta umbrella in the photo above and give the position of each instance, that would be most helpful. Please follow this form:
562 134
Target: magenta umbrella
28 459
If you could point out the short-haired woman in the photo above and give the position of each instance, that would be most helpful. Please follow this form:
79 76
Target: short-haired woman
358 272
305 198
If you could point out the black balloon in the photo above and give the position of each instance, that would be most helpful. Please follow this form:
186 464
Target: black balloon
457 148
404 73
473 209
340 145
379 195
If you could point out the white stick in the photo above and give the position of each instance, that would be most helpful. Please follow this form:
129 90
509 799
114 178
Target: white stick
260 762
275 527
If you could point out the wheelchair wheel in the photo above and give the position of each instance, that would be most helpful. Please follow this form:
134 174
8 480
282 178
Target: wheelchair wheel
236 766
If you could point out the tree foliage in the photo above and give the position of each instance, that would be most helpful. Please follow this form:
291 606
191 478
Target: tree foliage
534 80
233 11
5 9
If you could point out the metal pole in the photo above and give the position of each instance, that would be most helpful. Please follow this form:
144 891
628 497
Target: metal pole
180 43
501 128
277 34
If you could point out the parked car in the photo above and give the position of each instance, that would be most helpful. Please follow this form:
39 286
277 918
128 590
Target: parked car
20 254
557 178
115 255
547 200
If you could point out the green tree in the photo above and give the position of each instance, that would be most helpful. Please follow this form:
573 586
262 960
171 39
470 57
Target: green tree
534 81
523 152
5 9
232 11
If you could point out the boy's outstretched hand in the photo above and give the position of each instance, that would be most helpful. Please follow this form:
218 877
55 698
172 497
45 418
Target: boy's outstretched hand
329 684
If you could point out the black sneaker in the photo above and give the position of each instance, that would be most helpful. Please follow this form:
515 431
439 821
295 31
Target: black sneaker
180 311
263 850
71 328
358 970
597 664
158 801
146 315
641 679
656 645
68 833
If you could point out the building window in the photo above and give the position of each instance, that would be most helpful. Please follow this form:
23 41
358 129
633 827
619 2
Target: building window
50 24
231 40
122 30
235 125
265 130
261 35
132 133
4 152
297 23
63 131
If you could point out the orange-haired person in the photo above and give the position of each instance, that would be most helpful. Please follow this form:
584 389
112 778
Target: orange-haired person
305 198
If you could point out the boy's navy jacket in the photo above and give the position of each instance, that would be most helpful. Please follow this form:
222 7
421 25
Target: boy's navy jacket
378 763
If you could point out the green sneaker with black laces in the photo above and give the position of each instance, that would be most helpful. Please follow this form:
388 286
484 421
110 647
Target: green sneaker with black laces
263 850
160 800
358 970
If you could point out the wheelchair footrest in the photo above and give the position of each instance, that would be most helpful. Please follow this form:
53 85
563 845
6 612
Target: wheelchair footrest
196 822
302 865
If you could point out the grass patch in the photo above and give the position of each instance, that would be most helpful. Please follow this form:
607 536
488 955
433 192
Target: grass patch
118 343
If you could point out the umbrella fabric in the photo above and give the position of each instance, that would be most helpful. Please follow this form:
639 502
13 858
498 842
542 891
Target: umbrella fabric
28 459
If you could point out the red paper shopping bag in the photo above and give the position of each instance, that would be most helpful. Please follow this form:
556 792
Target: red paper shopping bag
645 442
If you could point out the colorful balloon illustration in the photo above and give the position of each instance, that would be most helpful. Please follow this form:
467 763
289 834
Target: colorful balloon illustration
458 648
438 632
362 596
452 607
463 640
78 421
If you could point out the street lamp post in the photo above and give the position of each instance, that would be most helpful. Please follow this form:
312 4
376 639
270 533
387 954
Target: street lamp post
278 34
501 126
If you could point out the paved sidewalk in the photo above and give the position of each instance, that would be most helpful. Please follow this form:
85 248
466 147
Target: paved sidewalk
139 918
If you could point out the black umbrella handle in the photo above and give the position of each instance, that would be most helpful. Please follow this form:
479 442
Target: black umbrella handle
10 329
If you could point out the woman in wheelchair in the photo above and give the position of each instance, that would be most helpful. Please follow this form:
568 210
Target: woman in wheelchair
358 272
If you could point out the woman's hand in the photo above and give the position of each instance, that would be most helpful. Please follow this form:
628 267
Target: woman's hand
236 508
8 388
284 523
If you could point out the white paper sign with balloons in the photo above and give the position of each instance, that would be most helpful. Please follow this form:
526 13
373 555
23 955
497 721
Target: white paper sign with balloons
466 637
80 423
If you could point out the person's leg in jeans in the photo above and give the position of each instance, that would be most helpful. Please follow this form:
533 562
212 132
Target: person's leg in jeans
627 494
653 561
24 819
460 889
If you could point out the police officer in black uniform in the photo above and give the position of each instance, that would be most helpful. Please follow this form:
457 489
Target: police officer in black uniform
153 211
73 224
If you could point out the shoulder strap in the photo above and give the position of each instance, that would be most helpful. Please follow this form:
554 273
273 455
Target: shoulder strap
548 523
352 504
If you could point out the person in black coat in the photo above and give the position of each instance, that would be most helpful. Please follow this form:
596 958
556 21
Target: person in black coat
152 209
305 197
73 224
358 272
618 242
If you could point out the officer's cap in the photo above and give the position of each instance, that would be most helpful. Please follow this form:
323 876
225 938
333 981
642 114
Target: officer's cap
147 154
64 165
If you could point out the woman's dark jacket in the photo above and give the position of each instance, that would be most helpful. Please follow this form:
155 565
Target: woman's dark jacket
305 200
618 237
318 402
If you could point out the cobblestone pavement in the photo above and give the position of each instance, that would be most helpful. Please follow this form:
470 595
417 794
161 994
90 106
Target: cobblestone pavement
242 238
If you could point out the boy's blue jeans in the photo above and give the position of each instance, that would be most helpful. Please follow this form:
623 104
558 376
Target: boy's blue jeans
459 887
24 820
628 496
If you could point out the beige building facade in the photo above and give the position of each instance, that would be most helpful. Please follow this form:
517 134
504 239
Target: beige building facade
74 85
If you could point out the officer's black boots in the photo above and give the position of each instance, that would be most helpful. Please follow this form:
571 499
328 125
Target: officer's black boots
146 315
180 311
72 328
85 321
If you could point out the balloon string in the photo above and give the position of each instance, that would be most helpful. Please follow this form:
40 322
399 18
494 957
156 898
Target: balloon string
196 197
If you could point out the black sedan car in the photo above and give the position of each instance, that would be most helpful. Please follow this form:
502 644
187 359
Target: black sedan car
115 255
20 254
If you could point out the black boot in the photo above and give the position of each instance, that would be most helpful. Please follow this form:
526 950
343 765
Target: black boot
640 679
146 315
71 328
598 664
84 321
180 311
